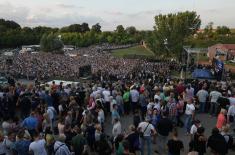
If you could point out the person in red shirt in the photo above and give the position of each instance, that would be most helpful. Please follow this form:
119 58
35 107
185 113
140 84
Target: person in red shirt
221 120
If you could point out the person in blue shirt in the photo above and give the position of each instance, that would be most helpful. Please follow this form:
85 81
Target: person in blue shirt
31 123
21 146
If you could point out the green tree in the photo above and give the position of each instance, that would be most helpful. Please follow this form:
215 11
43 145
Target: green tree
120 29
208 31
171 30
51 43
131 30
96 28
223 30
85 27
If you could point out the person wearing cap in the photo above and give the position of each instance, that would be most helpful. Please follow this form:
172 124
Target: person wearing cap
147 130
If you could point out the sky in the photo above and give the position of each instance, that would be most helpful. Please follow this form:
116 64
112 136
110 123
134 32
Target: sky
110 13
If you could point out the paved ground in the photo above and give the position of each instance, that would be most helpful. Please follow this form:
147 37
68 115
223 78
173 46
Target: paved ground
206 120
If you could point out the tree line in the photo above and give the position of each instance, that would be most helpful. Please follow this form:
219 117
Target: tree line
81 35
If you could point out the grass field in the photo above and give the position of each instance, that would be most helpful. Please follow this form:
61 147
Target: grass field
136 50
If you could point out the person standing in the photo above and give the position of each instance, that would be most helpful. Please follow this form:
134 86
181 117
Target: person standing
117 128
120 103
164 127
37 147
217 143
231 116
175 145
79 143
60 148
189 115
126 100
202 97
146 130
21 146
214 95
199 141
221 120
106 94
134 98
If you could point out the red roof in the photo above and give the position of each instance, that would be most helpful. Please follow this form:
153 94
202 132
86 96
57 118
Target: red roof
229 46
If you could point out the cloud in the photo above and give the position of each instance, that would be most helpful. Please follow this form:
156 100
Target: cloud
58 15
10 12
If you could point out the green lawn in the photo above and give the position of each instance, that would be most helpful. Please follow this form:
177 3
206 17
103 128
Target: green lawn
229 63
136 50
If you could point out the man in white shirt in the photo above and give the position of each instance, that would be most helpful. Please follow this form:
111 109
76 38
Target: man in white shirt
148 130
52 116
106 95
134 98
202 97
194 128
37 147
214 95
189 114
117 128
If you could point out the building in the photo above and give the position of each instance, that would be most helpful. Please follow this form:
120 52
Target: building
224 51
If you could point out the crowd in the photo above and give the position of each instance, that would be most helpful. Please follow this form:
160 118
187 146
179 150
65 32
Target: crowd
48 66
72 119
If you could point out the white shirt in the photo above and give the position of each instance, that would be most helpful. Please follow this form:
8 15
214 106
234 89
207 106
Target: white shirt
101 117
106 94
189 93
150 106
157 97
143 126
157 106
38 147
214 96
193 129
189 109
117 129
50 112
231 110
202 95
134 95
232 100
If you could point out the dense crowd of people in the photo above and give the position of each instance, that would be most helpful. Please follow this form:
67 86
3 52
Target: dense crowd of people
60 119
48 66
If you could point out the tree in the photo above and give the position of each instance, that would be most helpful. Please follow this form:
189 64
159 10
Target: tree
85 27
120 29
96 28
171 30
51 43
131 30
223 30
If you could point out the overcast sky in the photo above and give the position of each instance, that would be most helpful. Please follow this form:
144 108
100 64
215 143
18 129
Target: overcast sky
110 13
